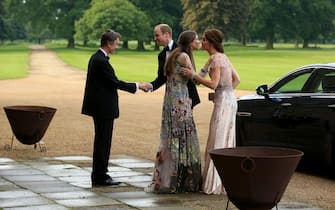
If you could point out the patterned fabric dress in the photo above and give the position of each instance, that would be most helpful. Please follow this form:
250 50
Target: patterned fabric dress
178 164
222 124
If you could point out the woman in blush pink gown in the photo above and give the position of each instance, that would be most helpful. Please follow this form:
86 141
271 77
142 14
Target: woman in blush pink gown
223 78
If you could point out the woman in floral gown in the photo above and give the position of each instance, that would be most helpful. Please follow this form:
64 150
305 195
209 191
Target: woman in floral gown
223 79
178 164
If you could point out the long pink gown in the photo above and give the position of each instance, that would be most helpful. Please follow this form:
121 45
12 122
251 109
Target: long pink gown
222 124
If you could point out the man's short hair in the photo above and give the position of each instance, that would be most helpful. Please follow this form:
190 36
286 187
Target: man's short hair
109 36
165 28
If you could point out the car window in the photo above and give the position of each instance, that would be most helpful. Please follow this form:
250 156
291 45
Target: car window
327 83
295 84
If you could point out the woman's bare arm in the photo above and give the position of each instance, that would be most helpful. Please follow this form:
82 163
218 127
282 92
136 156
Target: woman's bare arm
235 79
212 83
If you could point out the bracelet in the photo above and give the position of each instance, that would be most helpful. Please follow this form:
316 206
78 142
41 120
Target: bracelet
203 70
193 75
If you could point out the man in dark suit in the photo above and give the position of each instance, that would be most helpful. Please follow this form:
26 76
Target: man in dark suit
101 102
163 37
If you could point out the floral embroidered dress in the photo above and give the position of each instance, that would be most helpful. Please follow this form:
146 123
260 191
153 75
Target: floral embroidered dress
178 164
222 124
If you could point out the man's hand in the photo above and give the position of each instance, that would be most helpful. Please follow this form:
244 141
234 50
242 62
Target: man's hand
145 86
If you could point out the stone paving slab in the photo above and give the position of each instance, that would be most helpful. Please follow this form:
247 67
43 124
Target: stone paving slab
27 178
26 171
88 201
24 201
152 202
141 185
130 173
6 160
59 183
13 166
39 207
17 193
70 195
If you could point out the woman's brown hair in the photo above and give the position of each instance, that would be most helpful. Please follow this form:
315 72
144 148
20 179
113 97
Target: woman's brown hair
184 45
215 37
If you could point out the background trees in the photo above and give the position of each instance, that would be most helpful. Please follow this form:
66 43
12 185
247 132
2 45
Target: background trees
298 21
230 16
64 13
162 11
47 18
120 15
2 23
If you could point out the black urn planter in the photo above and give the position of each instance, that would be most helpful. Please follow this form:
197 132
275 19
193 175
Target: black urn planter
29 123
255 177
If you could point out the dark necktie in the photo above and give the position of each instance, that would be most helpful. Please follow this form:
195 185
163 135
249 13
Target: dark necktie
167 51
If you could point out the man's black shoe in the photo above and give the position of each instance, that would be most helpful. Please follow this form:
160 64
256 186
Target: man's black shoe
107 182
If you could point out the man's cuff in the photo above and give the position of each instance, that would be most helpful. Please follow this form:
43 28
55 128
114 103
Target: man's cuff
137 86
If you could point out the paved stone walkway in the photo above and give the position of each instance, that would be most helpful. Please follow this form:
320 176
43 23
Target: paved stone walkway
59 183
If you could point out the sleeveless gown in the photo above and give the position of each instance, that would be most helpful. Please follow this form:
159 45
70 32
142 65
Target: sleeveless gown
178 164
222 123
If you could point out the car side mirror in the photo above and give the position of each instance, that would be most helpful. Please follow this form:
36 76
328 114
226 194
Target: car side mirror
262 90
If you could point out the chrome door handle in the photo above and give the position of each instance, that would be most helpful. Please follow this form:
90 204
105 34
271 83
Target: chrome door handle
286 104
243 114
332 106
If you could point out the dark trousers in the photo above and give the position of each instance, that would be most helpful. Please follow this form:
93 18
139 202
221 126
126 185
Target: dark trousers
102 146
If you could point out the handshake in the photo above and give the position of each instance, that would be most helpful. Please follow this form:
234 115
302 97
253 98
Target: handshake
145 86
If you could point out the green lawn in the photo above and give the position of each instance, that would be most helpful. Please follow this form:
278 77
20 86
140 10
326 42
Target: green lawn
254 64
259 66
14 60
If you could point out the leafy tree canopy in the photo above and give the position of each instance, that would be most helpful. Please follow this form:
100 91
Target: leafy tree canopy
119 15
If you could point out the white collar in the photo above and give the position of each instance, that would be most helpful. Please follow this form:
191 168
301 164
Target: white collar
170 45
104 52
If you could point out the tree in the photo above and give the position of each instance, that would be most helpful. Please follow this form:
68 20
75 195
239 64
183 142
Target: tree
32 13
314 18
3 32
56 16
162 11
14 30
172 15
205 17
264 20
235 19
82 30
64 14
230 16
119 15
294 19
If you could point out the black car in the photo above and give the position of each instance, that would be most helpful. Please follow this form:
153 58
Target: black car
297 111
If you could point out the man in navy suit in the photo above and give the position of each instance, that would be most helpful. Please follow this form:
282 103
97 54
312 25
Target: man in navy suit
163 37
101 102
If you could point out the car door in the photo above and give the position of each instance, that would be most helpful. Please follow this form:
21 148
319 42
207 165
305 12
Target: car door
270 121
298 112
314 115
